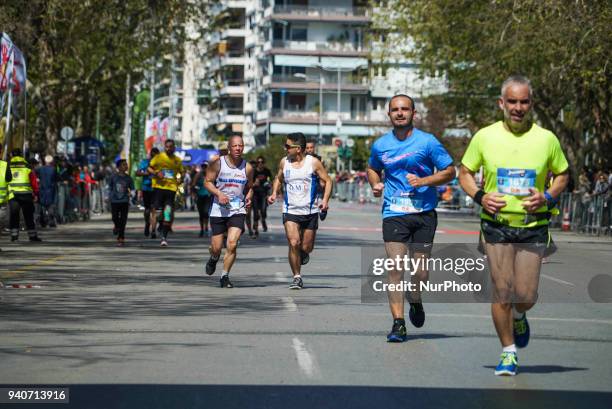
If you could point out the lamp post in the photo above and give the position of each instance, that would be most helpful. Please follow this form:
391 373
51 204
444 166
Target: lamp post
320 127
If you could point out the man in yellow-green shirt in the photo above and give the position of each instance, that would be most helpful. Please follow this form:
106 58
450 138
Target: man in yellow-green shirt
165 169
516 156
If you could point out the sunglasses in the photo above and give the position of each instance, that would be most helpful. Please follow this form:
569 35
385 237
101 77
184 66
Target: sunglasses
287 146
260 161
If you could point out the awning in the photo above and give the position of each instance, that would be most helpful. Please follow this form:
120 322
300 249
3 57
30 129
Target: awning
296 60
344 63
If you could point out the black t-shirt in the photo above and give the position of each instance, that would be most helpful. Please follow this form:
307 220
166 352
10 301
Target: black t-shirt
263 176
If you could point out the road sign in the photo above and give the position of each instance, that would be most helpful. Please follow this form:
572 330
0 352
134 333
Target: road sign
350 143
61 147
67 133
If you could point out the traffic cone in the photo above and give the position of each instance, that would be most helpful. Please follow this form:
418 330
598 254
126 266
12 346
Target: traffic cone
565 224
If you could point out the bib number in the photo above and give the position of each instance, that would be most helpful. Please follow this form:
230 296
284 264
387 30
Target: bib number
516 182
405 204
168 173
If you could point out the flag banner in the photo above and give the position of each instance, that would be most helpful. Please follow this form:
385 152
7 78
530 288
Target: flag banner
164 126
151 133
12 66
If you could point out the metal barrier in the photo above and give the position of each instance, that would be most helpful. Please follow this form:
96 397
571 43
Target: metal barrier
357 190
584 213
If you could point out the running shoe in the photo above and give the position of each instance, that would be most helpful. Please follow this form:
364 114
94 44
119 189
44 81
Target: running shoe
264 226
211 266
163 243
225 282
507 364
521 332
119 242
305 258
153 235
416 314
398 332
297 284
323 215
147 230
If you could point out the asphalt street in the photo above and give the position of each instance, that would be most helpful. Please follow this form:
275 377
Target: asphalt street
143 326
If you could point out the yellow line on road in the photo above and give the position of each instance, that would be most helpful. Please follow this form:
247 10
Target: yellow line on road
25 269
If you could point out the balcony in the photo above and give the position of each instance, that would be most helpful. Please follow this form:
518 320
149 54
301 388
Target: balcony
348 83
320 13
316 48
329 117
226 115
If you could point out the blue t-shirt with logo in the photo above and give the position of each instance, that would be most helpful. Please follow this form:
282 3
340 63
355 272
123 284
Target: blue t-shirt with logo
147 183
420 154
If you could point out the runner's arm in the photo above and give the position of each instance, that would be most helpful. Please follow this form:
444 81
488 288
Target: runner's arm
375 180
324 176
491 202
277 181
439 178
211 175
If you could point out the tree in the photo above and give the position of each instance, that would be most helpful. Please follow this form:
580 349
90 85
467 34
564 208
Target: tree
561 45
80 52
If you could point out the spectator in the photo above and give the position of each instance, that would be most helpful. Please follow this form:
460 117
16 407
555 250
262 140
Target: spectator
48 192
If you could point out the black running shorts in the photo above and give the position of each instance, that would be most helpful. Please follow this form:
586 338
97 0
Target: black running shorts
220 225
417 230
305 221
147 198
536 238
162 198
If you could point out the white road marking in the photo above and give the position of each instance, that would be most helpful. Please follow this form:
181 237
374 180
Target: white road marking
305 359
577 320
289 304
281 277
557 280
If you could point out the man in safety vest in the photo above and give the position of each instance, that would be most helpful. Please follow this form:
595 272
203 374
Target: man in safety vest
22 188
5 178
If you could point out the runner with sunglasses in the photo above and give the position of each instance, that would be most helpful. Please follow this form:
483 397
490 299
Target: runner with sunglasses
298 173
229 179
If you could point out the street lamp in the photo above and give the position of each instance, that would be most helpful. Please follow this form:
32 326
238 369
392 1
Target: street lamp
301 75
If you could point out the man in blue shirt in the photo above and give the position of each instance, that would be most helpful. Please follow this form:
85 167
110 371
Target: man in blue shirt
147 190
414 162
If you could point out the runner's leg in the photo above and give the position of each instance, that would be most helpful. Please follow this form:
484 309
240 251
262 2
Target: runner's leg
501 263
396 298
292 230
233 235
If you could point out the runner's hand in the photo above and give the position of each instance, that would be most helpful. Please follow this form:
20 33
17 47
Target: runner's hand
493 202
247 203
534 202
414 180
223 199
323 206
377 189
272 198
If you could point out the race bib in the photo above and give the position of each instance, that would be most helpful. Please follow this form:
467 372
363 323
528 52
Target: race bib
234 204
406 204
168 173
516 182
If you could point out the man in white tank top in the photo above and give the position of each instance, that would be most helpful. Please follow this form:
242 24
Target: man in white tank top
299 174
229 179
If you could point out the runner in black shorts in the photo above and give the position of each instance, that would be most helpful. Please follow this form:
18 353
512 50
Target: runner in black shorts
261 186
414 162
515 209
147 190
203 198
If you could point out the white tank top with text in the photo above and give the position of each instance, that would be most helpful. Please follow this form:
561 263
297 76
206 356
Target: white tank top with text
300 188
232 182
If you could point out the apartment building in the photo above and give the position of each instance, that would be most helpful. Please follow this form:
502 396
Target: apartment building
280 66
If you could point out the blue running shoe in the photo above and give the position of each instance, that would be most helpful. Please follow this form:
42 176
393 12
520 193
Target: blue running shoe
521 332
398 332
507 364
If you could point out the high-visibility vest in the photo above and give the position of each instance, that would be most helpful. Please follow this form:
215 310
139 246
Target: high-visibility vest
21 177
3 183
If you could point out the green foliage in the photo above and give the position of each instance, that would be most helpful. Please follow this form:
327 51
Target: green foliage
561 45
79 54
273 152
